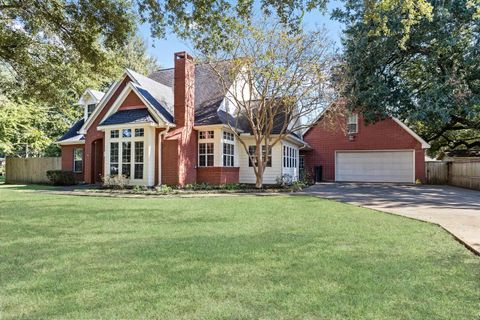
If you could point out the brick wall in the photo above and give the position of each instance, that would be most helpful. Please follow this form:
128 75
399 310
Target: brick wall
218 175
169 162
132 101
93 134
384 135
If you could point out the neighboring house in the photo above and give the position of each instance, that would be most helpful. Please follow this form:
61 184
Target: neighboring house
386 151
168 128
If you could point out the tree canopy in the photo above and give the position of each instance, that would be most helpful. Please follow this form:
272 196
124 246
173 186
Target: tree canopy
428 77
273 80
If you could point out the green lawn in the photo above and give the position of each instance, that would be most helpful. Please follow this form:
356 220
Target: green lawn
225 257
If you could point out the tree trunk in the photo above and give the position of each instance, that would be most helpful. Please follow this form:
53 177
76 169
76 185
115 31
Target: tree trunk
259 171
259 180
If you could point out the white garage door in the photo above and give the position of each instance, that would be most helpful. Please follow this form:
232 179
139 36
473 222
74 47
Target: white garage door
375 166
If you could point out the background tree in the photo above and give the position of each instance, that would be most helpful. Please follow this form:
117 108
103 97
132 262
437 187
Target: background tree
55 47
275 80
430 79
30 125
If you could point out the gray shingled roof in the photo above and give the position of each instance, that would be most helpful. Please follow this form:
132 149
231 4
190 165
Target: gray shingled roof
209 92
72 133
154 103
129 116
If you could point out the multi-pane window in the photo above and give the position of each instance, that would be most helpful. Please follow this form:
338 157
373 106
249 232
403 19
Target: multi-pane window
139 132
205 154
90 109
301 163
206 135
126 133
289 157
77 160
352 124
127 153
126 158
228 149
228 154
138 169
252 151
228 136
114 151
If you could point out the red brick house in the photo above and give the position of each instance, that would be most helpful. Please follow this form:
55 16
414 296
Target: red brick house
387 151
171 127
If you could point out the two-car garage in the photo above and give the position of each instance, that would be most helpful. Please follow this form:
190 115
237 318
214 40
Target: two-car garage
375 166
384 151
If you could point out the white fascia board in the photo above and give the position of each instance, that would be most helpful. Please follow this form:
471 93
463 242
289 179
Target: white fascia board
424 144
100 106
66 142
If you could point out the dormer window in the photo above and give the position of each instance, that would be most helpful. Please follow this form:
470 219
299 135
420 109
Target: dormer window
90 109
352 124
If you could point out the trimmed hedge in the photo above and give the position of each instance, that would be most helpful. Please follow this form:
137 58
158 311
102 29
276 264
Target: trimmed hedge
61 178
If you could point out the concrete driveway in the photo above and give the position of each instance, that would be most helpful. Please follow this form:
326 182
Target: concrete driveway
455 209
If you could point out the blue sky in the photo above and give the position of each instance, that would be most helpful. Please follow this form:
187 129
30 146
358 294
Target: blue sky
163 49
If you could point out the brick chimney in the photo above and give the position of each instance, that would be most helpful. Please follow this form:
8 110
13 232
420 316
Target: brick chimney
184 113
184 89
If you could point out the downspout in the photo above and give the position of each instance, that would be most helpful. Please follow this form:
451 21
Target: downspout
160 136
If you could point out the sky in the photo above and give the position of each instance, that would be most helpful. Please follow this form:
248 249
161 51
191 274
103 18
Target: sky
163 49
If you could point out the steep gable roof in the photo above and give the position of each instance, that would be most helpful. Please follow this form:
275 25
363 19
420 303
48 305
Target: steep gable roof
97 94
161 92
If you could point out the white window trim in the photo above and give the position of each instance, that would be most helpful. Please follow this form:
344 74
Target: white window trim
290 157
206 154
353 121
230 142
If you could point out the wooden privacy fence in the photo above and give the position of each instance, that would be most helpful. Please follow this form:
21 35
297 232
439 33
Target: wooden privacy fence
464 174
30 170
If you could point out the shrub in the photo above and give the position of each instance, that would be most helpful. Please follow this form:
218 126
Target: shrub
115 182
297 186
61 178
139 189
163 189
285 180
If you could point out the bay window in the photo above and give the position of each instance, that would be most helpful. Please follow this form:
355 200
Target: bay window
228 149
289 157
114 151
138 171
205 154
126 158
127 152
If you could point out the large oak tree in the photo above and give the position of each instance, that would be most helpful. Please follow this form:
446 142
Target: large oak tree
428 77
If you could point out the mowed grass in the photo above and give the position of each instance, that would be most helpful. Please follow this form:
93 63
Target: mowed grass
278 257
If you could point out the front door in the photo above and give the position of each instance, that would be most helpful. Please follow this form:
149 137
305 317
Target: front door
97 160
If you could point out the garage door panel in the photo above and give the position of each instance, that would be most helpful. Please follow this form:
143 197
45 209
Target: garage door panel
375 166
